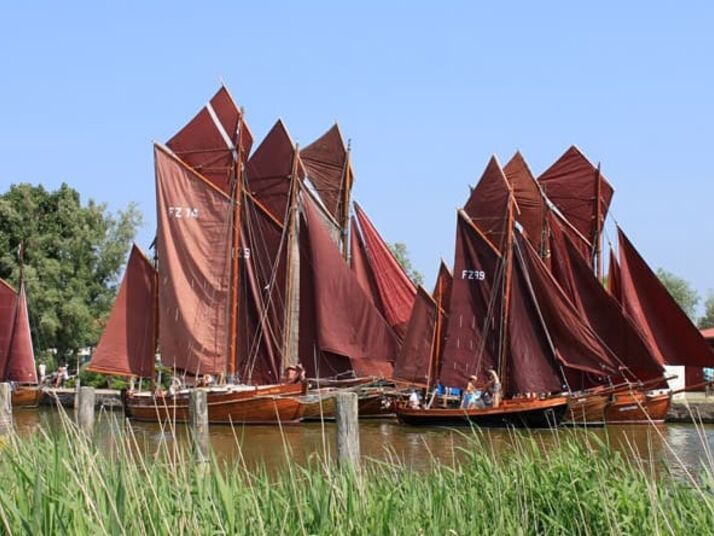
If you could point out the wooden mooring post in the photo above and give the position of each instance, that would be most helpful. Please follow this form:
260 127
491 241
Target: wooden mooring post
86 400
5 409
347 420
198 423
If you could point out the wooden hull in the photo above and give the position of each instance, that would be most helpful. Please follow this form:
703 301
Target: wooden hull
254 406
511 413
375 406
586 410
26 396
636 407
318 407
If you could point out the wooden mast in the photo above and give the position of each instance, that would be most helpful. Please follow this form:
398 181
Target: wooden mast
598 224
505 313
345 208
236 253
292 284
436 343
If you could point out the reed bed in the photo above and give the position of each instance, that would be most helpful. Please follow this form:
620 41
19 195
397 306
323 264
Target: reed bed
62 483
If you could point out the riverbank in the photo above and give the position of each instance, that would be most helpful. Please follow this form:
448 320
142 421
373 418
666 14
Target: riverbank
580 487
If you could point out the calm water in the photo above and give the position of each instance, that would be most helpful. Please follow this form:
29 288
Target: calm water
685 447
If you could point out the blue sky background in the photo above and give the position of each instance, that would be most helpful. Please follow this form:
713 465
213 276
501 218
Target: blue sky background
426 92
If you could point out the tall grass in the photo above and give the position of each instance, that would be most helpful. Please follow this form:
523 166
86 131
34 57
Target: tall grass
64 484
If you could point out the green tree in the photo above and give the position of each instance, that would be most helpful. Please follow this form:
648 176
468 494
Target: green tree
401 253
73 258
707 321
681 291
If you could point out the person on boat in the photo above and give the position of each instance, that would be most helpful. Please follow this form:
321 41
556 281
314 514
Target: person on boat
708 374
295 374
495 388
469 398
42 369
414 401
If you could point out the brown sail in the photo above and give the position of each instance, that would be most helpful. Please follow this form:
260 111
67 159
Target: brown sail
8 313
396 290
345 322
572 184
128 343
20 360
673 339
193 245
532 208
614 283
211 143
417 354
360 267
487 205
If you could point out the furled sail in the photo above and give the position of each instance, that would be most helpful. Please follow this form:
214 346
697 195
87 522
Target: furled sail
211 142
396 290
487 205
193 245
417 354
128 343
673 339
572 184
340 317
18 361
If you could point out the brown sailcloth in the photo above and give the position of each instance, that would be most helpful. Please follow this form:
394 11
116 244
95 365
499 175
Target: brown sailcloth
472 327
571 184
19 363
614 284
416 356
324 161
532 208
603 313
128 343
396 290
193 245
208 142
576 345
345 321
8 313
671 335
361 268
487 205
442 287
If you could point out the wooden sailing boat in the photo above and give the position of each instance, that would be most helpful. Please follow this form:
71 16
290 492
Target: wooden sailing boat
17 357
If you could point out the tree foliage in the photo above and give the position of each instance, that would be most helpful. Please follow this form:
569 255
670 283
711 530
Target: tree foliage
401 253
681 290
73 257
707 321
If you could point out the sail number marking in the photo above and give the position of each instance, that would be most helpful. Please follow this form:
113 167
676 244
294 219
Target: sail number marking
183 212
474 275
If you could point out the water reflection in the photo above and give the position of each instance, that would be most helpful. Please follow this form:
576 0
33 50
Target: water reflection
684 447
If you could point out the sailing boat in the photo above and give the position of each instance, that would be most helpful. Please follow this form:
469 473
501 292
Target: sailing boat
17 356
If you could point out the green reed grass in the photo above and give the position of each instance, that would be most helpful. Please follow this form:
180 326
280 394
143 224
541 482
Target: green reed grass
64 484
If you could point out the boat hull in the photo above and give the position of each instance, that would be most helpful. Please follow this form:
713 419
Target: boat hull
586 410
637 407
26 396
318 407
520 414
259 406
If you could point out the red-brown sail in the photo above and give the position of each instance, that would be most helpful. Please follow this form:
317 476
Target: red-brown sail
396 290
345 322
571 183
673 339
325 160
442 287
20 360
208 143
193 245
416 355
128 343
360 267
8 313
614 283
487 205
532 208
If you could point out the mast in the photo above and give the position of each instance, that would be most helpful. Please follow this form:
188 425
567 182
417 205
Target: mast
436 344
505 313
292 287
598 224
345 208
236 253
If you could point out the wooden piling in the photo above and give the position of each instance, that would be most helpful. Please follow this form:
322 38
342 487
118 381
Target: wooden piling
198 423
5 409
85 410
77 387
346 418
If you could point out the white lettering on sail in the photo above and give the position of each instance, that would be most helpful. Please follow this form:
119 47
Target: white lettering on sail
183 212
474 275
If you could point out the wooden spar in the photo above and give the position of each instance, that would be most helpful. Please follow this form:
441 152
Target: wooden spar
508 259
597 249
236 197
436 342
345 208
292 284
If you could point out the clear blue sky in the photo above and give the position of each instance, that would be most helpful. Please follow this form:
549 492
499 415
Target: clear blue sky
426 93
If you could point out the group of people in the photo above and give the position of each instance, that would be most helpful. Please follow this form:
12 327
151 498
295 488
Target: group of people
477 395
